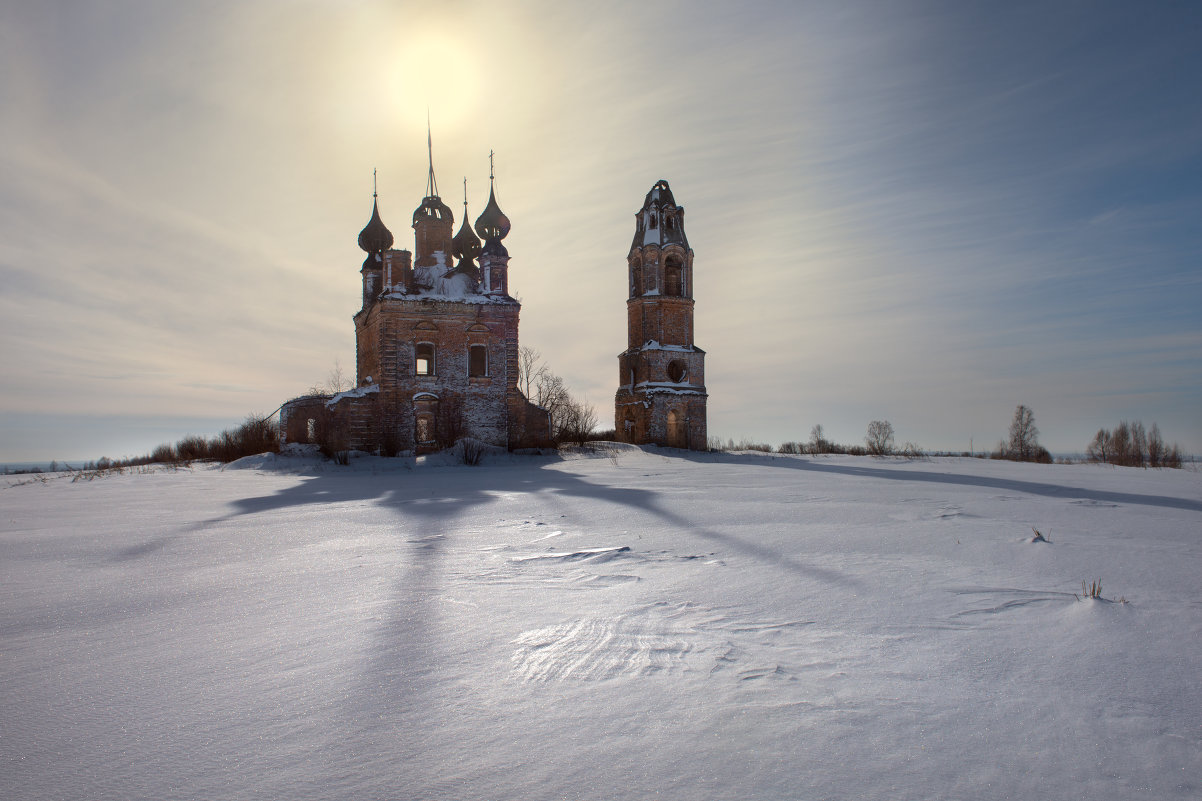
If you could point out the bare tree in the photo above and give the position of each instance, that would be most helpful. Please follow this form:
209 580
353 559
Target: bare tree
531 370
818 442
337 381
879 439
1099 450
1139 444
578 419
1156 449
1120 444
1023 444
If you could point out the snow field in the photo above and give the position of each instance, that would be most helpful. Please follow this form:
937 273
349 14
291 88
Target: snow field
623 625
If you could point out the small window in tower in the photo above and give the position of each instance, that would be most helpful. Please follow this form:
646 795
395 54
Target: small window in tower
676 371
477 361
673 277
425 359
652 224
636 278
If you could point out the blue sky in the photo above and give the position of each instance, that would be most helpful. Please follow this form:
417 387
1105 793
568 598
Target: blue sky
921 212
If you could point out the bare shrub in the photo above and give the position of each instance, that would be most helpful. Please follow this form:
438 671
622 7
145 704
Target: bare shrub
789 447
470 451
191 448
165 454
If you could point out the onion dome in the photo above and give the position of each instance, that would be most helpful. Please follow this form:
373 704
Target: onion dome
466 245
492 225
375 237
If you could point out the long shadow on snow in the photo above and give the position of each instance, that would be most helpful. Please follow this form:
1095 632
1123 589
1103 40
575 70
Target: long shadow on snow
440 493
398 726
1014 485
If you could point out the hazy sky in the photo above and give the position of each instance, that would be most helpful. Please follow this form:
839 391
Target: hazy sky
925 212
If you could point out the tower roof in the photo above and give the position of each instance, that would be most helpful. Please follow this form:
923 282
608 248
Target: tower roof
466 245
375 236
432 207
660 194
492 225
660 221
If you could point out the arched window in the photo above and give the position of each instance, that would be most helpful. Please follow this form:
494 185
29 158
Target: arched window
636 279
674 277
424 359
676 371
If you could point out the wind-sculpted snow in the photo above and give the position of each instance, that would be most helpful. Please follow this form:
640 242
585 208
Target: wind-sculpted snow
617 623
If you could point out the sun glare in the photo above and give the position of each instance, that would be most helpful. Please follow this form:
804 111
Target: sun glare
432 72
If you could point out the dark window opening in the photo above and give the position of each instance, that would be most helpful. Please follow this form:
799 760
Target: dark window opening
674 277
477 361
425 359
676 371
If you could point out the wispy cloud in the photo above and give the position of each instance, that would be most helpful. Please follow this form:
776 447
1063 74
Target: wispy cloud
898 210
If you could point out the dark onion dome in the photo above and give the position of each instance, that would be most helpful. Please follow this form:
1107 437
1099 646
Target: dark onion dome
432 208
375 237
492 225
465 246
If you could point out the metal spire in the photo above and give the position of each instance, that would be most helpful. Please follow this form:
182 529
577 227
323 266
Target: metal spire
373 182
431 184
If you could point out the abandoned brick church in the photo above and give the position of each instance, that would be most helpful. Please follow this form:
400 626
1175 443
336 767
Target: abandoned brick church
437 341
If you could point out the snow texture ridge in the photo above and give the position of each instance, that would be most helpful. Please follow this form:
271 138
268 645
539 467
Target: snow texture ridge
608 622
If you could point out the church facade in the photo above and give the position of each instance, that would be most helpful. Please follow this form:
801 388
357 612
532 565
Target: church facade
436 343
661 397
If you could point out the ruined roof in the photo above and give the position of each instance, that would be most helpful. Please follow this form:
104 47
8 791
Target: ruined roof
660 221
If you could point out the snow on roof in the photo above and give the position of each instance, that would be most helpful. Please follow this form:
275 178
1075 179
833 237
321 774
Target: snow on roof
357 392
651 344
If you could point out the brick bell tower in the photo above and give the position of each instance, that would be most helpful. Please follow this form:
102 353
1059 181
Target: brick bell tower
661 375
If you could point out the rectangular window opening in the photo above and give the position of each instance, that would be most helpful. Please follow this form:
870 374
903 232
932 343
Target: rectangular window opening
425 359
477 361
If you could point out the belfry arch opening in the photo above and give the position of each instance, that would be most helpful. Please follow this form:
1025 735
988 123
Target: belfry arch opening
674 276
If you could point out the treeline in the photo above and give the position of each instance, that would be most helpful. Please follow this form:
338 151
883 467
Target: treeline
255 435
1129 445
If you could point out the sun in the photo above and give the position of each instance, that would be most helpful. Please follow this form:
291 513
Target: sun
436 74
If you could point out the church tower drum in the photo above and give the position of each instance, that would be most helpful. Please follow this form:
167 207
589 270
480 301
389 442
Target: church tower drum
661 383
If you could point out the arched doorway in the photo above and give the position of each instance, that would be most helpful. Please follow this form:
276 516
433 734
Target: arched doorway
676 430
